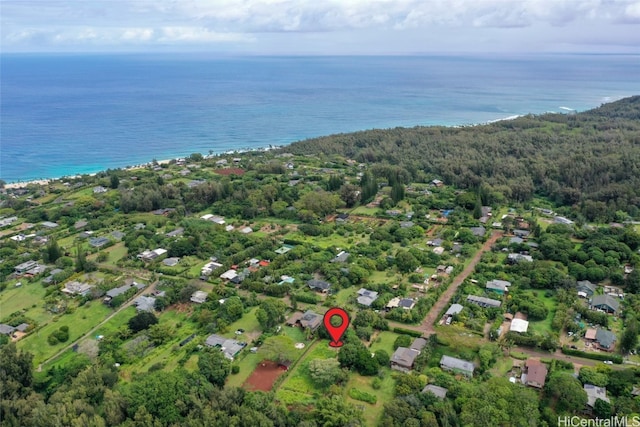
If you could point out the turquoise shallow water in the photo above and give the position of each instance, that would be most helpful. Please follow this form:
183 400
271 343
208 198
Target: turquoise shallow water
67 114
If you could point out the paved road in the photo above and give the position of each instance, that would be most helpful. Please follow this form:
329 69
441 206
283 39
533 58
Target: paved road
148 289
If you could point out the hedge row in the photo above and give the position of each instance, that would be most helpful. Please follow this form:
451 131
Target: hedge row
362 396
410 332
615 358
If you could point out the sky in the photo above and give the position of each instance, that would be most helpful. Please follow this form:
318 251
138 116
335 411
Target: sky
322 27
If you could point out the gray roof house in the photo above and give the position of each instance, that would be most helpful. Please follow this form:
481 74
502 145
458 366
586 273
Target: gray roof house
500 286
456 365
606 339
6 329
605 303
144 303
437 391
366 297
454 309
403 359
521 233
311 320
319 285
112 293
586 289
175 233
515 258
228 346
418 344
594 393
478 231
98 242
483 302
341 257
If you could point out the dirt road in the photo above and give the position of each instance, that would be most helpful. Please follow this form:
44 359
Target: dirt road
427 324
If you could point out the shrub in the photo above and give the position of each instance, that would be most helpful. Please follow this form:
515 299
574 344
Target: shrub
235 369
363 396
376 383
407 332
615 358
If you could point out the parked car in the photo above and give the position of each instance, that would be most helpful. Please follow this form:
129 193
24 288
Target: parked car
608 362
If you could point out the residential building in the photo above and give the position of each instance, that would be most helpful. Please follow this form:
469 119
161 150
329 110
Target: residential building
229 347
535 373
521 233
98 242
209 268
229 274
585 288
403 359
516 258
483 302
605 340
319 285
366 297
478 231
199 297
112 293
24 267
519 325
171 262
175 233
341 257
594 393
311 320
151 255
6 329
437 391
499 286
606 303
76 288
49 224
144 303
99 189
456 365
453 310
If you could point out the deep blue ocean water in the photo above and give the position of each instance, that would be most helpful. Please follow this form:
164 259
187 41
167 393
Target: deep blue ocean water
68 114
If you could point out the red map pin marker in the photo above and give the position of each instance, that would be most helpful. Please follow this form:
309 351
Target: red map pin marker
336 332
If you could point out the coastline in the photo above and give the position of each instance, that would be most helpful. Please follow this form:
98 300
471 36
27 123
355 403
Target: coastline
46 181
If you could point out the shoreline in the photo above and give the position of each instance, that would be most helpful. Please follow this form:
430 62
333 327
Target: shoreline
46 181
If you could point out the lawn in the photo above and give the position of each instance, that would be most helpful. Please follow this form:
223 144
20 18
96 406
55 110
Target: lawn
295 333
502 366
116 322
247 364
79 322
298 386
363 210
116 253
544 326
384 341
248 322
14 299
372 412
325 242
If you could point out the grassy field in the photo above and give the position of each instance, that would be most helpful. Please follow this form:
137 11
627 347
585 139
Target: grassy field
502 366
295 333
14 299
248 322
247 364
325 242
116 253
372 412
117 321
363 210
544 326
79 322
384 341
298 386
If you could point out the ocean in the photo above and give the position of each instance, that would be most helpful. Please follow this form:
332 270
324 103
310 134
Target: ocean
67 114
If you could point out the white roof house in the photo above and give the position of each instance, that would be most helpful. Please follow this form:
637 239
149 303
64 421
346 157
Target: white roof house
199 297
519 325
229 275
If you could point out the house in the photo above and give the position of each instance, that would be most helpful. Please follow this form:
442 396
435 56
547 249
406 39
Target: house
98 242
52 273
112 293
76 288
246 230
628 269
24 267
418 344
38 269
519 325
22 327
478 231
341 257
606 303
439 392
594 393
585 288
435 242
453 310
590 335
175 233
319 285
516 240
342 218
406 224
49 224
81 223
209 268
405 303
499 286
99 189
284 249
144 303
606 340
366 297
171 262
199 297
456 365
213 218
403 359
229 347
483 302
437 183
535 373
6 329
521 233
438 250
229 275
294 319
516 258
148 255
562 220
311 320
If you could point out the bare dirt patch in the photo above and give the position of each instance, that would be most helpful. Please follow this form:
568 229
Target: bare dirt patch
229 171
264 376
